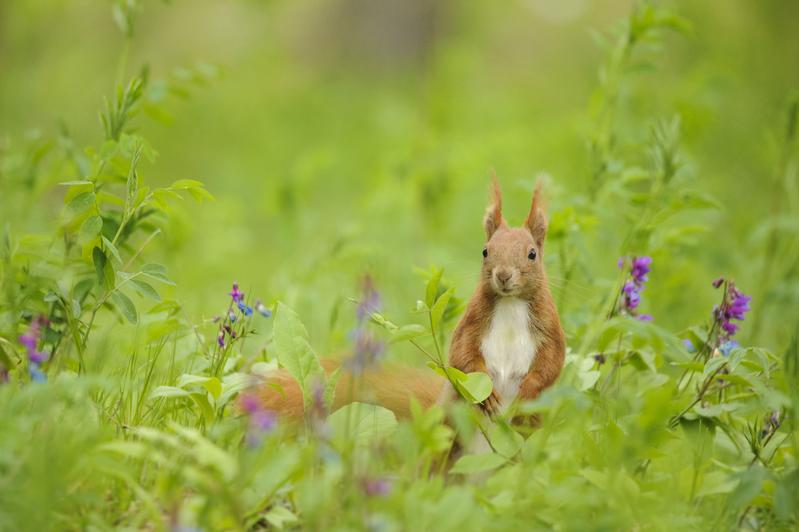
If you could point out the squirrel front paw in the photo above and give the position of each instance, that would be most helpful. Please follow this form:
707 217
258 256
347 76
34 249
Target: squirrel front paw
492 404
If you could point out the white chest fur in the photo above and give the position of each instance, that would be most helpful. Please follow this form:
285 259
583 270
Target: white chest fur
509 347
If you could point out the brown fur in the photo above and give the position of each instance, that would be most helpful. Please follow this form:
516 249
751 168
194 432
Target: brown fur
507 257
388 386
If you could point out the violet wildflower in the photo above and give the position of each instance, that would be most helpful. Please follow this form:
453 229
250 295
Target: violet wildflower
31 341
368 349
689 345
376 486
734 306
220 338
632 287
236 294
261 420
370 302
600 358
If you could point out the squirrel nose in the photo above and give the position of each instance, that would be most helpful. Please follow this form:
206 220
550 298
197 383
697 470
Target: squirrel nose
504 276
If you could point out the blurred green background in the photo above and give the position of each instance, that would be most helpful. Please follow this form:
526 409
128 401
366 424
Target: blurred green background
349 136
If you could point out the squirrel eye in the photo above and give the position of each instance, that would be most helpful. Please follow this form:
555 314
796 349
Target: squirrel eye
485 252
531 255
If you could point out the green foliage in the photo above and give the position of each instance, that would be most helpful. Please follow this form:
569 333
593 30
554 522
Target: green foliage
136 411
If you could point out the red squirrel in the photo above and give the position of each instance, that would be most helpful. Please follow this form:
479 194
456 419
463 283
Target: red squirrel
510 330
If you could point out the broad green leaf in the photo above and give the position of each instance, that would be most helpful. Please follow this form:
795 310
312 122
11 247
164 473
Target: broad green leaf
362 423
294 353
479 386
126 306
477 463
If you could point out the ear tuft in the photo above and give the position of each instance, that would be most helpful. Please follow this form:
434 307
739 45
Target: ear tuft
536 221
493 217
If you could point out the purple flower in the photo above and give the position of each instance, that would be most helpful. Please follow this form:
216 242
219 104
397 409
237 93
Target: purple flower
689 345
620 264
31 340
734 307
220 338
368 351
640 269
261 420
718 282
245 309
236 294
376 487
600 358
370 300
631 290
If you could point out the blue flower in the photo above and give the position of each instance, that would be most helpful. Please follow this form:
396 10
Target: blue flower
727 347
262 310
689 345
245 309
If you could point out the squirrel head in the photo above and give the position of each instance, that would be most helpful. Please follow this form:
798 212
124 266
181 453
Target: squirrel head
512 256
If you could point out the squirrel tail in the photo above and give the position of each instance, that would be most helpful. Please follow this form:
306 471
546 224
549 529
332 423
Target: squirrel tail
390 386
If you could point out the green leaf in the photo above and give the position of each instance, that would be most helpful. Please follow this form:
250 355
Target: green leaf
362 423
479 386
278 516
294 353
431 291
158 272
81 202
437 311
407 332
103 268
145 289
111 248
211 384
169 391
90 228
477 463
126 306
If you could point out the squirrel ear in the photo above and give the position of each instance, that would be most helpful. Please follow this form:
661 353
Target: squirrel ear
536 221
493 217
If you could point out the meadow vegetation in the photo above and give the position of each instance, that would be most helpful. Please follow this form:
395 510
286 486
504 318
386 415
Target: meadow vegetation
299 194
